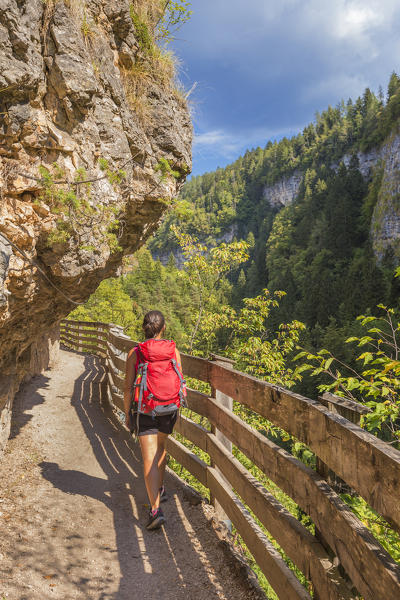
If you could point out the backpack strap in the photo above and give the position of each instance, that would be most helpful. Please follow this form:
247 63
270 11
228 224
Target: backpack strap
133 390
142 371
182 382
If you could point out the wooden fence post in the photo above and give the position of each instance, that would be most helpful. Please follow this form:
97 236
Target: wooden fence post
67 331
118 331
227 402
104 395
351 411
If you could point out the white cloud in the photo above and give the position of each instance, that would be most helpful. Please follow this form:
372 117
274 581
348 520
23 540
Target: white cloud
267 65
245 28
229 144
334 85
343 17
218 143
210 138
357 20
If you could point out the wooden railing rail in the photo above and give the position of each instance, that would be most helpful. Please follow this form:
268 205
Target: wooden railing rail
350 410
371 467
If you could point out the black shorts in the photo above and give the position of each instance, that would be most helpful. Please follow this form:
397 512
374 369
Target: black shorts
149 425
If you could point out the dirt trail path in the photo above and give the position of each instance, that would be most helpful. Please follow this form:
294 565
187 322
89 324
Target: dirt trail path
73 506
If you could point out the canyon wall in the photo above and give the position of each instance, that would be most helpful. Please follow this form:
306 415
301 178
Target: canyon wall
385 226
76 105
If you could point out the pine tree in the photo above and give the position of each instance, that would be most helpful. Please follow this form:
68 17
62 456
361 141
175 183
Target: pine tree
394 85
171 264
241 281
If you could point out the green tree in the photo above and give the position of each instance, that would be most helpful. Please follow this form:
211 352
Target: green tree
206 271
109 304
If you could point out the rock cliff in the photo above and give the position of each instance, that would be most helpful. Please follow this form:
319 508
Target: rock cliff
385 226
70 111
284 191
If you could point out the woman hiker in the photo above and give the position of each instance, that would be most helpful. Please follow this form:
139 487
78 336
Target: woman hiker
154 391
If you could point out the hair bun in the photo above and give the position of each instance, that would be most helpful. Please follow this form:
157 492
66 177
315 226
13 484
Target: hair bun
153 323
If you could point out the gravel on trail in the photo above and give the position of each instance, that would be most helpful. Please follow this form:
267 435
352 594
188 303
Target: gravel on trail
73 506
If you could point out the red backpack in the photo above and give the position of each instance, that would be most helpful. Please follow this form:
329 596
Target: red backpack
159 387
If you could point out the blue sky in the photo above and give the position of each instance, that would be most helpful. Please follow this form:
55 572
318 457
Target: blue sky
262 68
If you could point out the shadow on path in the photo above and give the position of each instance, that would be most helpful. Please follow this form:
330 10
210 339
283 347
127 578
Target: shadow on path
19 416
164 564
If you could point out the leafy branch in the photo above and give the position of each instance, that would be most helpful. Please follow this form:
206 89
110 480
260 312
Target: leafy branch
377 382
174 15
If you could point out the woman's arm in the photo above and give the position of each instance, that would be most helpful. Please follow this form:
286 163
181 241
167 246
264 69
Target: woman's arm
130 375
178 358
183 385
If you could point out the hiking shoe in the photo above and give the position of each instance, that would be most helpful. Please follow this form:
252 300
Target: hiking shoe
156 519
163 494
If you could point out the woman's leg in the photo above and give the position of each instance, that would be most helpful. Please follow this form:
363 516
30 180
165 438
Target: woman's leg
155 457
151 460
162 456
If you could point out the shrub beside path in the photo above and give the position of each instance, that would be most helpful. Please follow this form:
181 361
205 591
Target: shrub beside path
73 506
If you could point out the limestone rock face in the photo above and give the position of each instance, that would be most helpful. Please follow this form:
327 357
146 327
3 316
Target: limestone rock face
65 99
284 191
69 101
385 226
367 161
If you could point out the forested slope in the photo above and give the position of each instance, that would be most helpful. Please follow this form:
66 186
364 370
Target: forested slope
320 210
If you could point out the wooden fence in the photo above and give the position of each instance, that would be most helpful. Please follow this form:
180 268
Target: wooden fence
343 560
